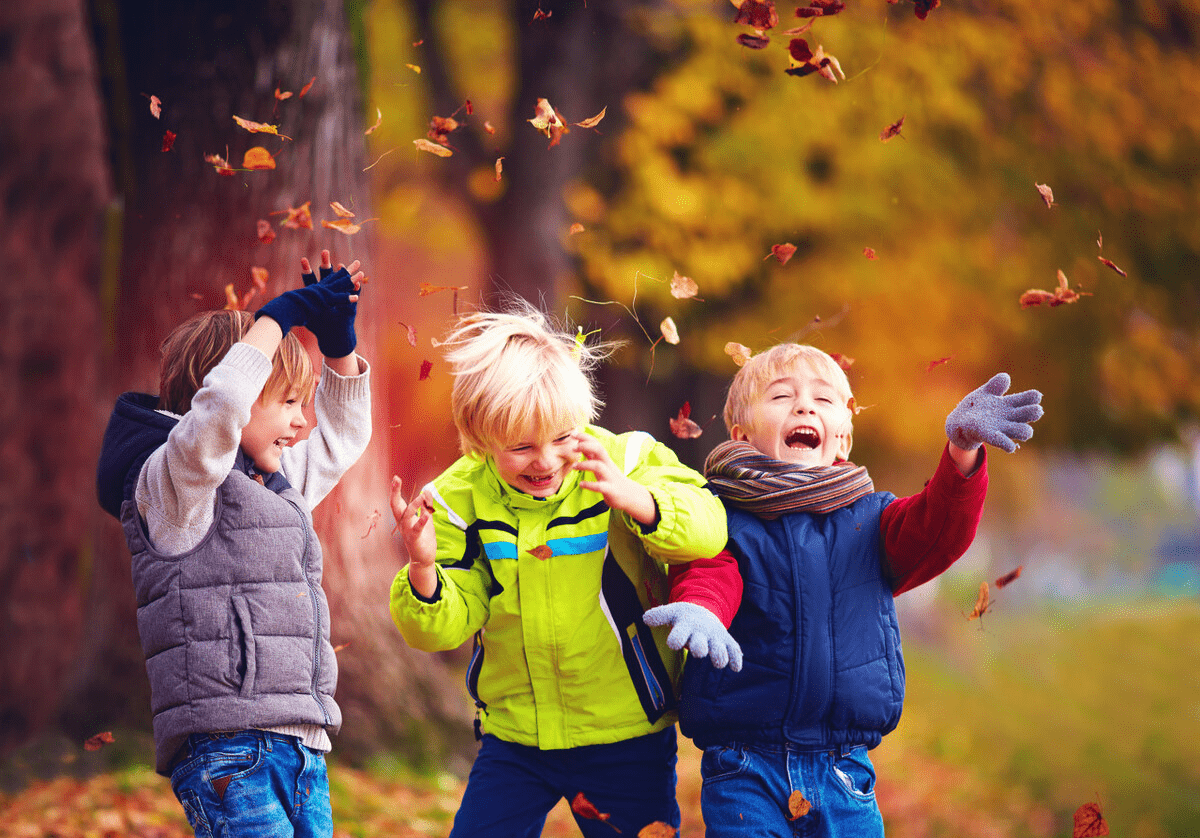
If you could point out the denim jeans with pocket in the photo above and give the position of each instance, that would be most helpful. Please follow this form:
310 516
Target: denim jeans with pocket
253 783
747 789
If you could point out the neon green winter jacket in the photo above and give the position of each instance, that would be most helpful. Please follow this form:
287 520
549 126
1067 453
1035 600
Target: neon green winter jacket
553 591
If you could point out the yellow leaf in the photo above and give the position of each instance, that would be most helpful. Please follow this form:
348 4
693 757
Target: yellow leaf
423 144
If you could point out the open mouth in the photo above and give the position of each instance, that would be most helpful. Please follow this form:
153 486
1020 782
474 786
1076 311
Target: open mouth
802 438
539 483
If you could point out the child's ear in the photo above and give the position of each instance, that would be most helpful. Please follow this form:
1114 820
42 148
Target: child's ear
736 433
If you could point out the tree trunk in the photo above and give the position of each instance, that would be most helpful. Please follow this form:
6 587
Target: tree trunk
55 185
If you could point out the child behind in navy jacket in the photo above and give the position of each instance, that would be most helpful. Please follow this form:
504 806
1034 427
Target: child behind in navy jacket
821 555
214 493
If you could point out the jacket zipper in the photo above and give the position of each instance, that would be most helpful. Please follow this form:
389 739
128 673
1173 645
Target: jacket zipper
312 595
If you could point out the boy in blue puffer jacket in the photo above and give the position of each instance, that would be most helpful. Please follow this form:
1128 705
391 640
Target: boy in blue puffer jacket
821 555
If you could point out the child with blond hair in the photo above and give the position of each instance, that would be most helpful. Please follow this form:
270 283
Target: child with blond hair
214 493
821 555
545 542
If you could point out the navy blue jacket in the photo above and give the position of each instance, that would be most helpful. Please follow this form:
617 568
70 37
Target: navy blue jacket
817 625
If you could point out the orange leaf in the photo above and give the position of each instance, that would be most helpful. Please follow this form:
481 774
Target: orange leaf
168 140
499 168
232 303
540 15
98 741
265 234
259 277
308 86
441 127
782 252
843 361
342 225
575 229
156 107
425 289
340 210
869 252
1107 262
218 163
892 131
287 94
669 332
1088 822
378 122
798 807
1010 577
542 551
740 354
982 602
423 144
683 287
298 217
487 126
414 67
257 159
259 127
1046 192
585 809
426 368
547 120
658 829
683 426
1061 296
938 362
593 121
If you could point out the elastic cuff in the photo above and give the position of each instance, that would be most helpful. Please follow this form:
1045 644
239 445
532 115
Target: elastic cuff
347 388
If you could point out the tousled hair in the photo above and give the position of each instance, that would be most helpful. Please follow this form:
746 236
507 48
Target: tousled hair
774 363
194 347
518 375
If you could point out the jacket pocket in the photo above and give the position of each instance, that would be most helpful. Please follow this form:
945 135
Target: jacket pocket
242 647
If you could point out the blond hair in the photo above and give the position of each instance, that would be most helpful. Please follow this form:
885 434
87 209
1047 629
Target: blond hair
517 376
775 363
197 345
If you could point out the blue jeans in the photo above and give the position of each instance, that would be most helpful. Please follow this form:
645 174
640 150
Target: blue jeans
747 787
512 788
253 783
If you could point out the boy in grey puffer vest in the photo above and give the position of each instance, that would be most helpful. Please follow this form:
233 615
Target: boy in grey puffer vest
215 502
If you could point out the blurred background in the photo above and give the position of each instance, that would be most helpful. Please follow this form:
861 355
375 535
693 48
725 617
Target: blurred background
908 193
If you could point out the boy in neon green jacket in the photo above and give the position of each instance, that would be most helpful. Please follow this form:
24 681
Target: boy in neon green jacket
546 542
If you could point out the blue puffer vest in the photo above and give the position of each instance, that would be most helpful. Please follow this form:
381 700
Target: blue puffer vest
817 626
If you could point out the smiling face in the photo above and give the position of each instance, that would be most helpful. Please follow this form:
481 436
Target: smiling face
537 468
274 424
800 415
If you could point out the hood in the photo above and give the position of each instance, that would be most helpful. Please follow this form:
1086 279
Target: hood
134 430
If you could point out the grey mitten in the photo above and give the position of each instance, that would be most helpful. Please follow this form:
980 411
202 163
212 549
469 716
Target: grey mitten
695 627
987 415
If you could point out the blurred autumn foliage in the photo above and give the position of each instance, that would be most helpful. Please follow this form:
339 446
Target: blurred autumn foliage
903 206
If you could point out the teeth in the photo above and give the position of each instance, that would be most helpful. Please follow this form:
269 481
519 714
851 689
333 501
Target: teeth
803 438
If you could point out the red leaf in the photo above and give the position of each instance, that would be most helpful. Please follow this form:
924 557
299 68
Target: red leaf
869 252
426 366
298 217
265 234
168 140
891 131
1010 577
542 551
782 252
1088 822
682 426
758 14
584 808
751 41
843 361
98 741
938 362
1101 258
308 86
924 7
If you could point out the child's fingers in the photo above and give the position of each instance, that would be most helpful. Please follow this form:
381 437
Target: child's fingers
326 262
305 265
396 498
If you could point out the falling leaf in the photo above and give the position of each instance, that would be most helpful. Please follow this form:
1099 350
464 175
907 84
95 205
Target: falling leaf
1061 296
892 130
869 252
740 354
308 86
1110 264
425 289
259 127
753 41
469 107
259 277
798 807
287 94
168 140
803 61
298 217
1099 240
1046 192
782 252
982 602
342 225
426 367
218 163
265 234
340 647
821 8
547 120
232 303
156 107
341 211
414 67
372 522
583 807
658 829
411 333
757 14
441 127
938 362
1088 822
593 121
682 425
854 407
1010 577
378 122
924 7
423 144
257 159
491 129
98 741
843 361
683 287
542 551
499 168
541 15
669 332
575 229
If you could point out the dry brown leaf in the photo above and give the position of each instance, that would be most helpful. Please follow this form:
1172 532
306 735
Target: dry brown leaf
669 332
1010 577
982 602
98 741
739 353
682 425
593 121
1046 192
892 131
423 144
265 234
782 252
499 168
378 122
798 806
259 127
298 217
683 287
1088 822
575 229
156 107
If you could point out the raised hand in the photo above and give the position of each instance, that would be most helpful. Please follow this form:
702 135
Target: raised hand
987 415
334 327
620 492
698 629
420 541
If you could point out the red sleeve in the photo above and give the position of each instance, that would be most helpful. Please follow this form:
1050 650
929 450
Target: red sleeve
926 533
713 583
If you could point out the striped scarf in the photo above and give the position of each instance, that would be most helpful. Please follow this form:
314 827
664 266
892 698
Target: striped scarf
768 488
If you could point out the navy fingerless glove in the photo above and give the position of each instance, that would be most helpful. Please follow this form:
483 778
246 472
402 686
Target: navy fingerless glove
987 415
334 327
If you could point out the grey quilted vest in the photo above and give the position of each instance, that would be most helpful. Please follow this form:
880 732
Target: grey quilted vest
236 631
